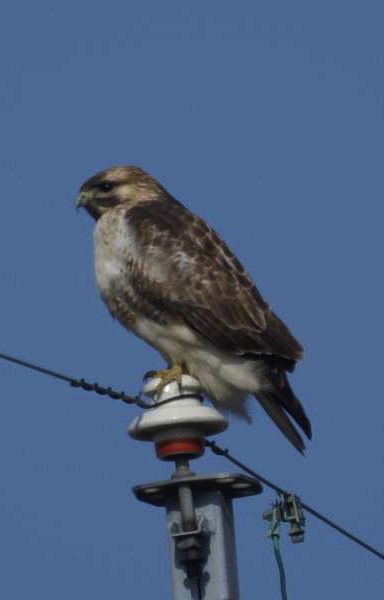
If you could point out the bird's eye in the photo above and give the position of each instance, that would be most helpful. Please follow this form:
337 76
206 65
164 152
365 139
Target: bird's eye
106 186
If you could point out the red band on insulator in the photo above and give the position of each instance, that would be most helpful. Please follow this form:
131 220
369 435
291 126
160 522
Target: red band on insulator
168 449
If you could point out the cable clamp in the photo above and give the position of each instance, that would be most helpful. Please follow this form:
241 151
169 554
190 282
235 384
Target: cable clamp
288 509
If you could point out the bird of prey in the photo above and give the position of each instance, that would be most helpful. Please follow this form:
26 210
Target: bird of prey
167 276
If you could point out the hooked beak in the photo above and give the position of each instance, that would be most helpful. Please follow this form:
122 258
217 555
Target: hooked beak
82 200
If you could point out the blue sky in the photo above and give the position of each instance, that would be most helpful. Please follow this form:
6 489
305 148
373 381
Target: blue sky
266 119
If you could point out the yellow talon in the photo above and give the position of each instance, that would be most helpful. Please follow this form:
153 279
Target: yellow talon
166 376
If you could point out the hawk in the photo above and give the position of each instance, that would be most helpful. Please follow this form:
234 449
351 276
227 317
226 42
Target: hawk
167 276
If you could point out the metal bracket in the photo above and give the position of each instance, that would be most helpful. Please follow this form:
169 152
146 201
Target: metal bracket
234 485
191 547
287 510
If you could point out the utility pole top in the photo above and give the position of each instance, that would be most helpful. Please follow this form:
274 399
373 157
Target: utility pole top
200 522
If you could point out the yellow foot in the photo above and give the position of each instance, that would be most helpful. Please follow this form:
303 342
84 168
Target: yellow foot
166 376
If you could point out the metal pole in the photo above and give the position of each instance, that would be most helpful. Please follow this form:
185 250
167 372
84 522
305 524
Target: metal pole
203 560
188 517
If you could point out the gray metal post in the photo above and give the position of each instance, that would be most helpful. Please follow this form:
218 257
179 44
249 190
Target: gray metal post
219 579
203 559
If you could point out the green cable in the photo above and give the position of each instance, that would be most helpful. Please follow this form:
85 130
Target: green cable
276 549
274 534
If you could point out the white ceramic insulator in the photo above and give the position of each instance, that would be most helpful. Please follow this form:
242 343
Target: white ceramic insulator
186 414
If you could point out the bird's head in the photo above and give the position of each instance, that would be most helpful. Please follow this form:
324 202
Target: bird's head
123 185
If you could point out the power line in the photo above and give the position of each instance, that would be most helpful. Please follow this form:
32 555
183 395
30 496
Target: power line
78 383
226 454
103 391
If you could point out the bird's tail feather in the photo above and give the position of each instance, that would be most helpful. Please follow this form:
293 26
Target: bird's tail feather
278 400
293 407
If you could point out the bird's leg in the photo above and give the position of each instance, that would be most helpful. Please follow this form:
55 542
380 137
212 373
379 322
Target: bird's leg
173 373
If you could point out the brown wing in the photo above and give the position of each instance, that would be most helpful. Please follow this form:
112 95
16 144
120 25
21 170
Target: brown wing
202 281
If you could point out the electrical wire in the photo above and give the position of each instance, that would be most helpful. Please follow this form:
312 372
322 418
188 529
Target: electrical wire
103 391
225 452
279 560
199 589
79 383
274 534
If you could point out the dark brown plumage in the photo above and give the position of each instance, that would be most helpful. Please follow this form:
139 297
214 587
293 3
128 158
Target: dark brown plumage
166 275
